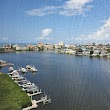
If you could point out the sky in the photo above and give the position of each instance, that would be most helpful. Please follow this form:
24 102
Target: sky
52 21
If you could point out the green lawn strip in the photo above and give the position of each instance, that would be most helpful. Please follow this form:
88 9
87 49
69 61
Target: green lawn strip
11 95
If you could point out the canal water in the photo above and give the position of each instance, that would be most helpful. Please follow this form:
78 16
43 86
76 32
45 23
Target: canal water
73 82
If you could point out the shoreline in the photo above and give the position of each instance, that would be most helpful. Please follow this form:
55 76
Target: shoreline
13 97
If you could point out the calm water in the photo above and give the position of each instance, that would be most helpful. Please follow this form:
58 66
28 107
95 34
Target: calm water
74 83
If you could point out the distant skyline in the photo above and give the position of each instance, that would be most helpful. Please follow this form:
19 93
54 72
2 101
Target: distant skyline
52 21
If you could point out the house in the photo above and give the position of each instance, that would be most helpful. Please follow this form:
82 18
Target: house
70 51
86 53
103 53
7 46
96 53
48 47
21 48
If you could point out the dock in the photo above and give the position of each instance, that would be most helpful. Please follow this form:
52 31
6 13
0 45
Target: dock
30 88
34 105
44 99
3 64
37 93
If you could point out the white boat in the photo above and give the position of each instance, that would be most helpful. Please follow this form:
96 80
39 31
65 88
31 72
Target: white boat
31 89
11 69
33 69
17 77
14 72
23 70
28 67
28 85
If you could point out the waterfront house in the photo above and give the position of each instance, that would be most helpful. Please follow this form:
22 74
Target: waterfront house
57 46
21 48
96 53
48 47
70 51
40 46
7 46
86 52
31 47
103 53
79 51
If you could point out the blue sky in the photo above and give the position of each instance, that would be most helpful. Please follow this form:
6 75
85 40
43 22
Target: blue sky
52 21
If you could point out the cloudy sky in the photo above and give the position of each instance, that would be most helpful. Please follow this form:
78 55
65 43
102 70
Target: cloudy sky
52 21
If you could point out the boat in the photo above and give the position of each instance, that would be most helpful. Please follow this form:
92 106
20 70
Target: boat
14 72
23 70
33 69
28 67
15 77
28 84
31 89
11 69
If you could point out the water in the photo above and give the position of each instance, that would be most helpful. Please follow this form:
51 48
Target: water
74 83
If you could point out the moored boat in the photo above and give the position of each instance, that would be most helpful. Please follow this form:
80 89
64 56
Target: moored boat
28 67
11 69
33 69
23 70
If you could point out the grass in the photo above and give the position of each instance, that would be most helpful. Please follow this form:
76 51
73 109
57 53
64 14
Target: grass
11 95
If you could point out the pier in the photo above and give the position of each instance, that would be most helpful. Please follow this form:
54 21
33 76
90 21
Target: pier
37 93
34 105
44 99
4 63
30 88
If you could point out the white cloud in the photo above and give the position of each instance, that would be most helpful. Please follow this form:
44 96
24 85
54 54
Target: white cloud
76 7
69 8
45 33
42 11
76 4
100 36
103 33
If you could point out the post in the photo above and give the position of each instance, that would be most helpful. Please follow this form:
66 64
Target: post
31 97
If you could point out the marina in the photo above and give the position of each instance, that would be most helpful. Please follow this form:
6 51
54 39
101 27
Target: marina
30 88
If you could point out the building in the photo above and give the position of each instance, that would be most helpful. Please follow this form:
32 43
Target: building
22 48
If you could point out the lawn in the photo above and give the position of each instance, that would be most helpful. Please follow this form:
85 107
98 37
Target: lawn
11 95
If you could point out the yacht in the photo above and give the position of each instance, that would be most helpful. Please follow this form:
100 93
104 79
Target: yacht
33 69
28 67
11 69
23 70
